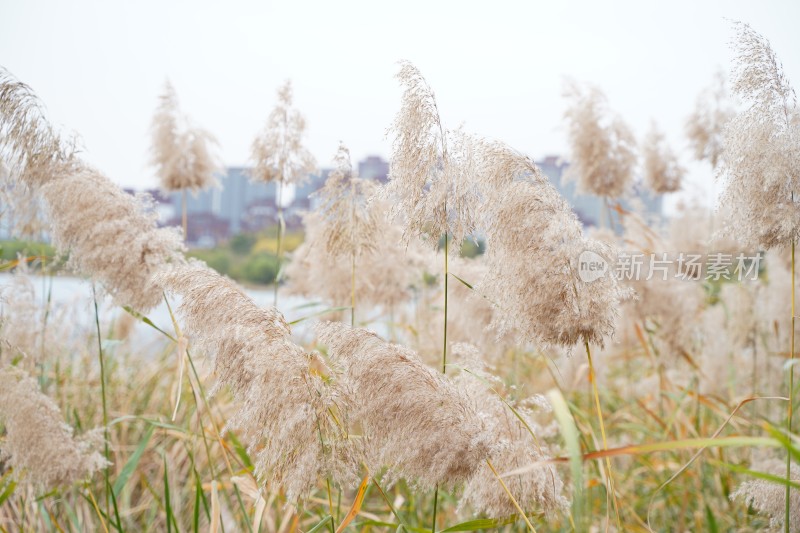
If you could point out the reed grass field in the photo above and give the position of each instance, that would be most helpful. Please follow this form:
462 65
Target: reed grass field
635 374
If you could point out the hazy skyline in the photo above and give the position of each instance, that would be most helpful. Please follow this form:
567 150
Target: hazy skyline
496 68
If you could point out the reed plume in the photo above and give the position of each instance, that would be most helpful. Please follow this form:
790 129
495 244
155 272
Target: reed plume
663 172
278 152
767 497
27 338
350 251
279 155
602 146
285 406
414 421
349 226
432 174
761 161
533 242
705 127
38 446
181 152
31 147
109 234
517 444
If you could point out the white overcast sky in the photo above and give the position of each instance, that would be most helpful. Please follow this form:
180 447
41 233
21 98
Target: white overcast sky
497 67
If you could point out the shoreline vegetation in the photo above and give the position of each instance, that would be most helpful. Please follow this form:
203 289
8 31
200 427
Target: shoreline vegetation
245 258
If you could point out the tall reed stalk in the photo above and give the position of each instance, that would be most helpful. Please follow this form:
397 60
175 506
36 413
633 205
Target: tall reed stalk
279 251
790 404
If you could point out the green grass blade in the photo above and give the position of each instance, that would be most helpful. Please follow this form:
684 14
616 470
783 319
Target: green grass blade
133 462
321 525
572 440
481 523
9 489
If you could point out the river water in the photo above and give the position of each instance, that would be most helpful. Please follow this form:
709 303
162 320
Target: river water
74 295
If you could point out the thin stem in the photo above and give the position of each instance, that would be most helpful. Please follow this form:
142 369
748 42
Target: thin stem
446 275
279 253
102 392
593 379
790 405
184 217
353 293
330 503
353 247
513 500
435 506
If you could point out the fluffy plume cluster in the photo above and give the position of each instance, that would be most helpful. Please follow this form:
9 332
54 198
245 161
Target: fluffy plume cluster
671 305
414 420
603 153
181 152
38 445
768 498
432 173
706 125
278 152
515 447
662 171
284 402
350 231
385 272
469 317
29 145
109 234
349 226
762 148
533 243
22 324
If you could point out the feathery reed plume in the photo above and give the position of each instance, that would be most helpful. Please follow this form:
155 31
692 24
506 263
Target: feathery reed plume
349 225
767 497
279 155
26 340
533 243
180 151
38 445
706 125
761 165
761 162
278 152
385 274
29 144
515 446
110 235
414 420
284 402
431 177
662 171
348 233
602 146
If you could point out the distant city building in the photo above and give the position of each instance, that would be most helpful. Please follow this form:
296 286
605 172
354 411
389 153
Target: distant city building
240 205
374 168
